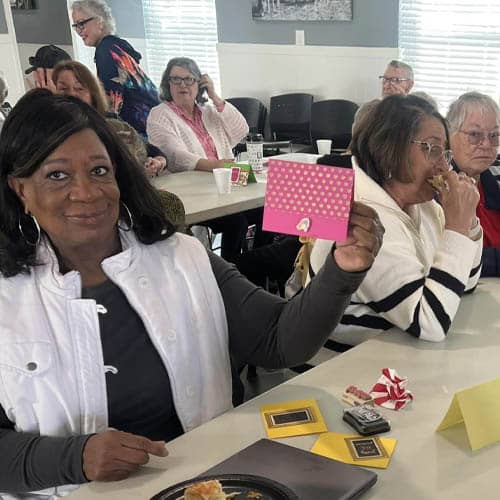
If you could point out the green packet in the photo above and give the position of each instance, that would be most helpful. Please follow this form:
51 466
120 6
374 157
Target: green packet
241 173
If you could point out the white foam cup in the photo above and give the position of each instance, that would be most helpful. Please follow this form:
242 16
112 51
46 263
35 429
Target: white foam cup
222 178
324 146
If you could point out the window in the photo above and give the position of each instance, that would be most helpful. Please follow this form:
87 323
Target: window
181 28
452 45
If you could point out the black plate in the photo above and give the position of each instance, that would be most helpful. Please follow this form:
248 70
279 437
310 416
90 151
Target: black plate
231 483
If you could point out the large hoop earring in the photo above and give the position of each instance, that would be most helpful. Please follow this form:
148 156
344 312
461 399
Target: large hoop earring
130 225
37 226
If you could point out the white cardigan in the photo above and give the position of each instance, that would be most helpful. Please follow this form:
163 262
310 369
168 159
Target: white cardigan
174 137
52 374
418 277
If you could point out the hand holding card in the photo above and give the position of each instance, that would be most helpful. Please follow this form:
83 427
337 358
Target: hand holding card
364 239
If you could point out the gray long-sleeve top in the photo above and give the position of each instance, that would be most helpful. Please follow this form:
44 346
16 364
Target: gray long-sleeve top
264 330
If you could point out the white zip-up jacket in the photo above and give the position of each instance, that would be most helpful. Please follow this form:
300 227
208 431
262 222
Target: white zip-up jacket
419 275
52 375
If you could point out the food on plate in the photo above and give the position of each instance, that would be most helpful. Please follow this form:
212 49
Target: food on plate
205 490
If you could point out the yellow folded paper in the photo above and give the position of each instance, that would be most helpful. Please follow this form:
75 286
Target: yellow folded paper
367 451
478 408
292 418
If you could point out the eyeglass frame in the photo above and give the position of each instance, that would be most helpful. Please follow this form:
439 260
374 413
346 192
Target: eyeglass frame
445 153
183 80
79 25
482 136
393 79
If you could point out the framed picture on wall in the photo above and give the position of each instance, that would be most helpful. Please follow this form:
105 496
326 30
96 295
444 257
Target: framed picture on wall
23 4
302 10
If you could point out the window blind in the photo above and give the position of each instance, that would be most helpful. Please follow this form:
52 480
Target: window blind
177 28
452 45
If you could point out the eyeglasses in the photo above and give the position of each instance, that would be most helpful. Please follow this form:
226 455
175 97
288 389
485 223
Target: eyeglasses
475 137
434 152
79 25
187 80
393 80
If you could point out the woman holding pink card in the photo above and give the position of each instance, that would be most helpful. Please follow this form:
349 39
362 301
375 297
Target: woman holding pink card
432 249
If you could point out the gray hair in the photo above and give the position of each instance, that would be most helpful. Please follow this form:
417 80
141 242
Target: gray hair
186 63
465 104
363 112
427 97
99 9
401 65
4 89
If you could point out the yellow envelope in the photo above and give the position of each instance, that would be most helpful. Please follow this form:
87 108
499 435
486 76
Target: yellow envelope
478 408
340 447
292 418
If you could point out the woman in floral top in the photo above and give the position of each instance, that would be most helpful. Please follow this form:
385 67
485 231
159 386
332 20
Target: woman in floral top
130 91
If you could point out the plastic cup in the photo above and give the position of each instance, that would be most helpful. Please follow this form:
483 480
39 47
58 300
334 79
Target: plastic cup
324 146
222 178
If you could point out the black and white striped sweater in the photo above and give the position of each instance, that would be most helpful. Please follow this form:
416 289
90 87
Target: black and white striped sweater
418 277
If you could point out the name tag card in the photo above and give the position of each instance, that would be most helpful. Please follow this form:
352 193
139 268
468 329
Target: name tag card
307 199
478 409
293 418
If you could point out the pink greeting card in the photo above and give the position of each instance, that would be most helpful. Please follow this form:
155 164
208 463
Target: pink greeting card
307 199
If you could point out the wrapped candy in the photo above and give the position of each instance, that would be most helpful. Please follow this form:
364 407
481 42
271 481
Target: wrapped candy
390 390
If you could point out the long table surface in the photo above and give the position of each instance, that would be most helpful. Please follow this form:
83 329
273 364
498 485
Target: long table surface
197 191
426 465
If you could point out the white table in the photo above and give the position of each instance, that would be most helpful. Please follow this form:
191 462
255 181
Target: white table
201 201
426 465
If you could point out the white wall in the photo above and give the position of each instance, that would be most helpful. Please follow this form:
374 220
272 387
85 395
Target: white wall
9 57
257 70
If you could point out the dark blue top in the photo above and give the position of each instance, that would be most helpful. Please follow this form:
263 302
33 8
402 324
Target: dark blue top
130 91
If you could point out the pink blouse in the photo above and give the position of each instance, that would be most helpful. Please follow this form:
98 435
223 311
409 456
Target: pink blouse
199 129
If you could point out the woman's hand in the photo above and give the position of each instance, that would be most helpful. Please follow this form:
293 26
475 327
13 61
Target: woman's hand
207 83
364 239
154 166
459 202
114 455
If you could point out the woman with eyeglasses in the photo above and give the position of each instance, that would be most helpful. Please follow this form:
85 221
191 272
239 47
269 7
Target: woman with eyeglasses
431 252
129 90
193 134
474 121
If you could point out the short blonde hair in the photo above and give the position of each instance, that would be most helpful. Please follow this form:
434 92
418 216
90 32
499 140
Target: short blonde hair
99 9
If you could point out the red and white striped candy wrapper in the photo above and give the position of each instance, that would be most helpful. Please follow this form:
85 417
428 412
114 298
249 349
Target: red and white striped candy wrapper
390 390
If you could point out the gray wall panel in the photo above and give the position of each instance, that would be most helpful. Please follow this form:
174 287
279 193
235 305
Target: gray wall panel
374 24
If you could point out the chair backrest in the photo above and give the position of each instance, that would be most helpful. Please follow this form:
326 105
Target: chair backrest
333 120
253 110
290 117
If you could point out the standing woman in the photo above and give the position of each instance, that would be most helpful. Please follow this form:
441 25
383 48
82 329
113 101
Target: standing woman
130 91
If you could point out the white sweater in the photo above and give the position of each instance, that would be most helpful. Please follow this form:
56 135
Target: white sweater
169 132
418 277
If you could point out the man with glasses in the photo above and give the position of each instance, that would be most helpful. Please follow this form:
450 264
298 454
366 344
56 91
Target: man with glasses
474 121
397 79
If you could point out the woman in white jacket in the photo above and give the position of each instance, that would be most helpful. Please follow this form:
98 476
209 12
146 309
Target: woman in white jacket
109 319
432 251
